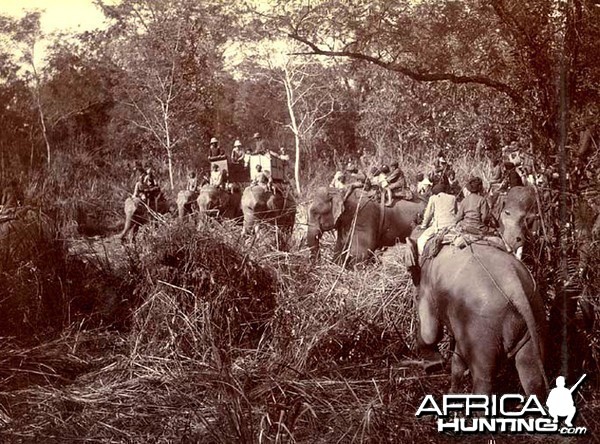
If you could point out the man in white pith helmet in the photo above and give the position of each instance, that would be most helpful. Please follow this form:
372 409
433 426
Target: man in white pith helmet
237 153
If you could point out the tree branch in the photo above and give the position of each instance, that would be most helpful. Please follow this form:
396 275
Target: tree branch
417 75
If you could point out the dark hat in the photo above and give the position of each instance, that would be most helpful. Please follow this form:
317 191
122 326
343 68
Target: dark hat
375 171
420 177
394 165
439 188
509 165
475 185
385 169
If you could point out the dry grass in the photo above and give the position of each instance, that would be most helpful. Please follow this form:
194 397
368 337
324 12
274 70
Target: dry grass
223 339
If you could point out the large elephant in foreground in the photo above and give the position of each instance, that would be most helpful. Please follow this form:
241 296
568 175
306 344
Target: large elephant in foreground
261 205
487 300
215 201
186 201
362 224
137 213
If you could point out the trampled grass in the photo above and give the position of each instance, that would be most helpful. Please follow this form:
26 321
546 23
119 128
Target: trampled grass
227 340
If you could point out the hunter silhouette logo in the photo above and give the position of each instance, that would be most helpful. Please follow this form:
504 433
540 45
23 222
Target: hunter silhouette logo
560 401
509 413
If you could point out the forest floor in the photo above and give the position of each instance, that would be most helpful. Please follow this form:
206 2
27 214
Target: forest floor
333 360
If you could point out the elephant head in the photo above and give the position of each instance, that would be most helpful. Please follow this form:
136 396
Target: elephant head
518 217
323 215
487 300
185 202
138 213
363 225
262 205
215 201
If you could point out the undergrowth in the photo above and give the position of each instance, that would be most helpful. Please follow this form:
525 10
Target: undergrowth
227 340
202 335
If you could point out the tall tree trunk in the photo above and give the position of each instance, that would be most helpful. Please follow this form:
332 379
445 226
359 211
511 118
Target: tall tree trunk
289 94
168 145
38 102
170 162
297 164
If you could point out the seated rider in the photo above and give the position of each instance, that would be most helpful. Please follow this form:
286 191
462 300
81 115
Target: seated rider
216 177
439 214
423 184
151 188
473 211
192 182
382 177
214 149
237 153
453 186
338 181
440 169
139 188
355 179
511 178
260 147
496 177
396 180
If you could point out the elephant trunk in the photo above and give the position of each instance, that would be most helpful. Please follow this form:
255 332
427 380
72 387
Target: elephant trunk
312 238
514 236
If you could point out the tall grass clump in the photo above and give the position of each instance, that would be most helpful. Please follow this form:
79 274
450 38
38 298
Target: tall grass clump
196 291
32 275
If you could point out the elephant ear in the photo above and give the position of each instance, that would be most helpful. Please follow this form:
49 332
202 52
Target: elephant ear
337 206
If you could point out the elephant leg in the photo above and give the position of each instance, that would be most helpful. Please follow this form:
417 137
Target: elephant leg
430 325
249 223
126 228
430 330
459 367
134 229
341 245
483 364
361 245
529 370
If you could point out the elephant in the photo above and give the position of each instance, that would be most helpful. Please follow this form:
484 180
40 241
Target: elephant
571 266
517 217
488 301
216 201
186 201
137 213
362 224
259 204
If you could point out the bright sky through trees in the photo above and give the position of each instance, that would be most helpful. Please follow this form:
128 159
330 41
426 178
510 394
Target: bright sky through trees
59 15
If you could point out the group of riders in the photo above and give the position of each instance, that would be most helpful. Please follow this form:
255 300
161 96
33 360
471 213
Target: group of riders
448 203
148 190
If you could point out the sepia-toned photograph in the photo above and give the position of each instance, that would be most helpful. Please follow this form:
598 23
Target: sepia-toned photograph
299 221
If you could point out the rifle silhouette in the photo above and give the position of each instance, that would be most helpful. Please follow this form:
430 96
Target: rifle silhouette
572 389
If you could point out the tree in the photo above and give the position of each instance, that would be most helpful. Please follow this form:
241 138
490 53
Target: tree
169 55
309 103
26 34
515 48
